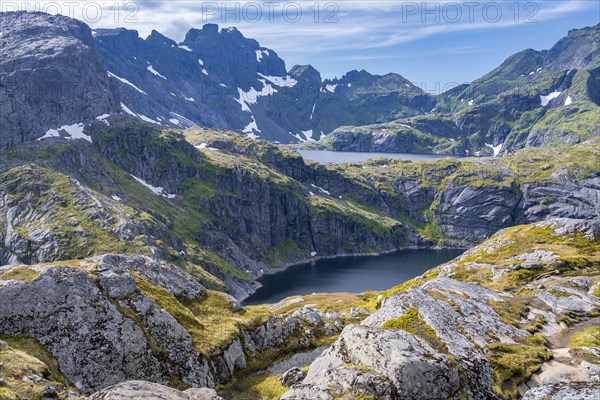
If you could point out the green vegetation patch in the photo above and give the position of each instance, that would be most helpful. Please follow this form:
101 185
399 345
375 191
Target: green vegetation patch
513 365
25 357
512 310
589 337
23 274
412 323
404 287
259 386
287 250
576 255
211 321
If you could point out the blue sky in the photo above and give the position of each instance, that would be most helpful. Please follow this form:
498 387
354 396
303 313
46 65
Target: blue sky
435 44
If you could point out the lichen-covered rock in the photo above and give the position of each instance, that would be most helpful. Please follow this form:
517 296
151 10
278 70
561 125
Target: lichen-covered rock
387 364
138 390
292 376
356 312
564 391
169 277
111 319
94 343
310 315
499 329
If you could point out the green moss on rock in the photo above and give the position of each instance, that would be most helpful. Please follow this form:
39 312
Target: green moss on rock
412 323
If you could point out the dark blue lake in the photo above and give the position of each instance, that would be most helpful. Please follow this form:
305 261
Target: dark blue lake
349 274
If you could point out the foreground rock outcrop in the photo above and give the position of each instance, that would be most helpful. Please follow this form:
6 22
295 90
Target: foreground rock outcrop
137 390
115 318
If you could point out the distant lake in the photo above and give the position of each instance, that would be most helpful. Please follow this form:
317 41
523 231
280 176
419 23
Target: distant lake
338 157
349 274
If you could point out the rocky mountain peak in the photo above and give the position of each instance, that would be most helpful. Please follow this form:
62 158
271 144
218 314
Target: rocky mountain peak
579 49
305 72
234 57
159 38
196 35
31 26
355 76
55 58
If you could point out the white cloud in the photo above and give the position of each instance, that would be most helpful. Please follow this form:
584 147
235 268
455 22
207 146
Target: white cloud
361 25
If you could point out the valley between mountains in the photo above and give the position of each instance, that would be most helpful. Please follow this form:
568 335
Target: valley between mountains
135 218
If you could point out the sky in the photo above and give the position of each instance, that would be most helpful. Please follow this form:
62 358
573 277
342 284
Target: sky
434 44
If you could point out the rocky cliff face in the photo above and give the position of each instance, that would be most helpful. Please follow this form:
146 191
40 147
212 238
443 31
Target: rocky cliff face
218 78
49 69
116 317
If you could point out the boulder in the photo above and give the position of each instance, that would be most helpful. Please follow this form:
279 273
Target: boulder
386 364
564 391
310 315
292 376
142 390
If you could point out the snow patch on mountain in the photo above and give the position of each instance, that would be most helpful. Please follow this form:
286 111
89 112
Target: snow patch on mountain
183 120
495 149
155 72
546 99
568 101
70 132
204 146
260 54
309 135
127 110
252 95
281 81
148 119
321 189
155 189
140 116
125 81
331 88
102 118
251 128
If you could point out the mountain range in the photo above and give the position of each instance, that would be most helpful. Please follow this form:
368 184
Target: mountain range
60 70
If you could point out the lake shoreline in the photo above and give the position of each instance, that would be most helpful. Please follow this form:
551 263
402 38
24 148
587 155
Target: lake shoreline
360 258
343 157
